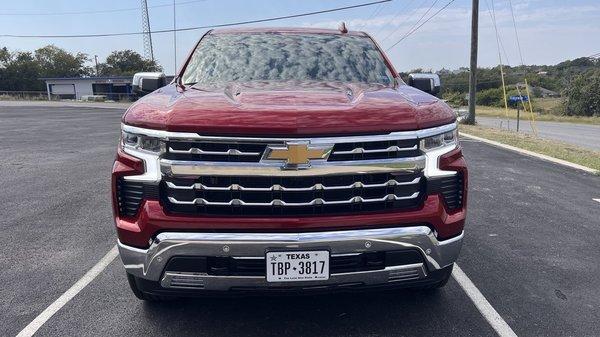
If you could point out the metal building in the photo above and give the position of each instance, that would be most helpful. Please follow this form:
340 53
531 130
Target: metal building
111 87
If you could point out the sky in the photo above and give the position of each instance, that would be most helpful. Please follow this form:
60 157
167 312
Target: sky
550 31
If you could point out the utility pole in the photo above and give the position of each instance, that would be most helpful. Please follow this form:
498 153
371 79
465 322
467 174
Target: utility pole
174 39
96 59
473 70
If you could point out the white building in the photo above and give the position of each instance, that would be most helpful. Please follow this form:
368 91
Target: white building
113 87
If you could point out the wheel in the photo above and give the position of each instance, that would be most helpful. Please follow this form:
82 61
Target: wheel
133 284
444 276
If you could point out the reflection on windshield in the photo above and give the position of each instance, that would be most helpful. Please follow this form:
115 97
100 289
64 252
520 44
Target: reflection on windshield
246 57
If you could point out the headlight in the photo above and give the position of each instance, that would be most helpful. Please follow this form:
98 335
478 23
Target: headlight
141 142
447 139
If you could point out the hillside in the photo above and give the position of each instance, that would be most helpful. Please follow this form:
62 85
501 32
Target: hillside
571 87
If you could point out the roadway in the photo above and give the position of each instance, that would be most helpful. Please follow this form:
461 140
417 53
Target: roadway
584 135
530 248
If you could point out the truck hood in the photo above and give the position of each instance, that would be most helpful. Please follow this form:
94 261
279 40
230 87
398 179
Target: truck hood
288 109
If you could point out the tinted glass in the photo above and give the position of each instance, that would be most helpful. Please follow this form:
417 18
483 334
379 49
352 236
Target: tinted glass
223 58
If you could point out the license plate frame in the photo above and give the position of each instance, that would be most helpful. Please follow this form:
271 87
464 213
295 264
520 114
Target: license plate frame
300 267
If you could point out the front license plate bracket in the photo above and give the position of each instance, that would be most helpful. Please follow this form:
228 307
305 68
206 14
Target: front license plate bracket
297 266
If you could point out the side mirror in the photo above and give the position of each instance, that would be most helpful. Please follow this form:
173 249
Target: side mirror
430 83
148 82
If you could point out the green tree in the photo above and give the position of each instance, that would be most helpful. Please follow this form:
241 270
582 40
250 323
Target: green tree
490 97
20 73
127 62
5 57
57 62
583 95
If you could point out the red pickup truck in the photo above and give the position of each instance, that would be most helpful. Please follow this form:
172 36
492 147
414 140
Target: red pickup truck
287 160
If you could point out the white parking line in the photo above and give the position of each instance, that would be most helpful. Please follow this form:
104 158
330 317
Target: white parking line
37 323
481 303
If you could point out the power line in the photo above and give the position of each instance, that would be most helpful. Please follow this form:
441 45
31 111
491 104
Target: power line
103 11
493 17
421 25
422 16
516 33
395 16
202 27
492 13
375 12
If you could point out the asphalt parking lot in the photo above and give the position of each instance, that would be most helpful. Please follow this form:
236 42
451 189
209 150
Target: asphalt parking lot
530 248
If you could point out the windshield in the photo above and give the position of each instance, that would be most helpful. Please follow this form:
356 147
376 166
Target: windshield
223 58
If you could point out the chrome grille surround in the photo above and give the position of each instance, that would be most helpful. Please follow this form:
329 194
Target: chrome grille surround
405 163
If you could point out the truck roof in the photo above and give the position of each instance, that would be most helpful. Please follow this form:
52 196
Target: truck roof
295 30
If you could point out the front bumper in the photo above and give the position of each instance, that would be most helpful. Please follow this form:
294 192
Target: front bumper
150 264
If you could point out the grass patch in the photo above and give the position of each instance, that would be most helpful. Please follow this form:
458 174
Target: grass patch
487 111
550 148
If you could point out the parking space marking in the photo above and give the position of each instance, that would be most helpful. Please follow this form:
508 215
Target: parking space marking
481 303
37 323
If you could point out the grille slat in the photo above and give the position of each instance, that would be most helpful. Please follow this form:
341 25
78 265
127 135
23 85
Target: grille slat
361 150
277 187
388 149
215 151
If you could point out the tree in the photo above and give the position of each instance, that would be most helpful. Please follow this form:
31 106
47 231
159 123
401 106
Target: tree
127 62
583 95
20 72
57 62
5 57
490 97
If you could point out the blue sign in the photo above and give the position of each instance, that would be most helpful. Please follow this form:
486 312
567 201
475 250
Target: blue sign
519 98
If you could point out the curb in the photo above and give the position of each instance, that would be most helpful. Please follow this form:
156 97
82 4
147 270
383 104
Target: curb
532 154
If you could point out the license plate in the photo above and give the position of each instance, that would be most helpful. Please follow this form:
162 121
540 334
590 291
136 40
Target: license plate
297 266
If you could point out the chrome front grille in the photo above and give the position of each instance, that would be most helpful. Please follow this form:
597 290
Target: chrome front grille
254 176
257 195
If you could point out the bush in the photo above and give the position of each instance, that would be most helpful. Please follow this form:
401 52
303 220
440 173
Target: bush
455 98
490 97
583 95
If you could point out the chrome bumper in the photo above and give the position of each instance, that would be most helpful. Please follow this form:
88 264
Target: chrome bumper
150 263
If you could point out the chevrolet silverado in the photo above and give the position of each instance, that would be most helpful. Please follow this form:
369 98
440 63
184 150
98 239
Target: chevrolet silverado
287 160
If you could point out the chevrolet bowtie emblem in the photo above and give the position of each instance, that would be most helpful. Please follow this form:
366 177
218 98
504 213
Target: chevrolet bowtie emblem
297 155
